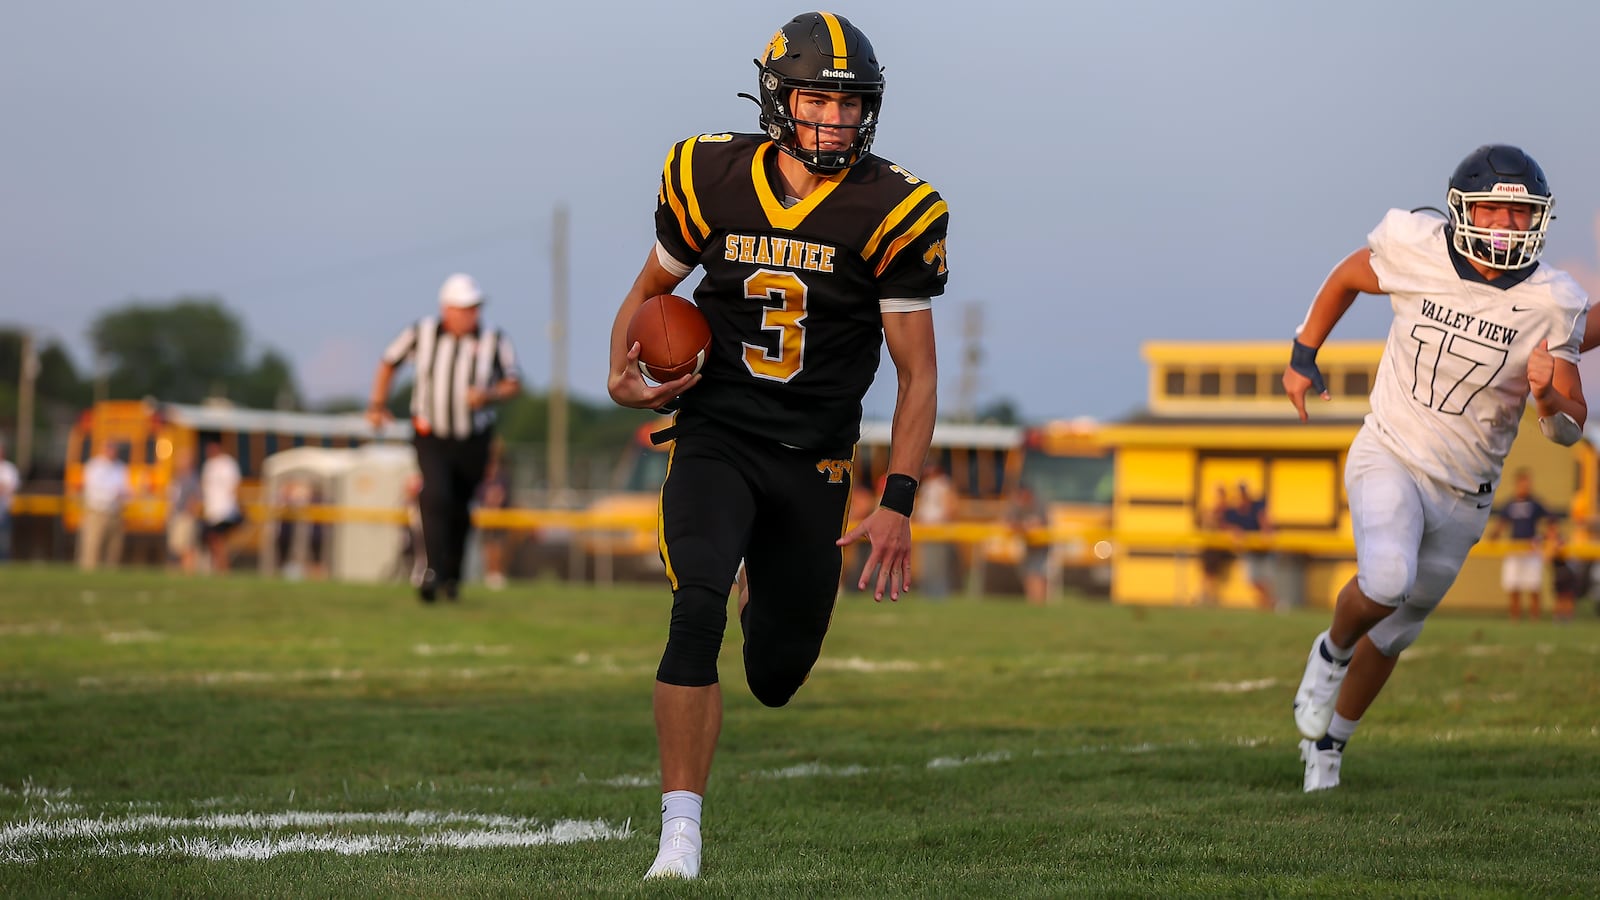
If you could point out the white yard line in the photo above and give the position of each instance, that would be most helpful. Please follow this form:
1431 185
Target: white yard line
32 840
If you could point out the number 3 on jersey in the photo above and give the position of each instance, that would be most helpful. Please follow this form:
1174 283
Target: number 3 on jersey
789 293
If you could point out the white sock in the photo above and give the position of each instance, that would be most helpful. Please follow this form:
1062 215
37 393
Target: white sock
680 805
1339 654
1341 729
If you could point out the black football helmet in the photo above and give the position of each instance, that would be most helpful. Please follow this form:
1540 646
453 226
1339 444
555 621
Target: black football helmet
819 51
1499 173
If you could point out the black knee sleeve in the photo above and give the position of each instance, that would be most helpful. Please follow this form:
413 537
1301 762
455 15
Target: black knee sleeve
699 617
775 671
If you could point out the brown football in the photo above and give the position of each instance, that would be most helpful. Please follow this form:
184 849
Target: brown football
673 337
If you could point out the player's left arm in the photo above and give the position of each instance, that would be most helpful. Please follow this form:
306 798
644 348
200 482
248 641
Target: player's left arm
909 337
1557 390
1591 334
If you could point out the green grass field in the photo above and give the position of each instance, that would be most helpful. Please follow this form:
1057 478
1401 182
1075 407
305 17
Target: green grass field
235 737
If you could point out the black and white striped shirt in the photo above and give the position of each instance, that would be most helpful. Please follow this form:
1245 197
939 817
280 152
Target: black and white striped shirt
447 367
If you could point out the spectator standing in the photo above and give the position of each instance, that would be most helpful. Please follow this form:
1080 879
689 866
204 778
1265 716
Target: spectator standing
1522 570
463 368
494 493
1566 575
219 502
936 506
1216 559
106 490
10 481
183 513
1250 518
1027 517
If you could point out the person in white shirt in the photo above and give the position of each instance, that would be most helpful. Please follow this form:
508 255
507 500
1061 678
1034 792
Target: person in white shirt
936 505
10 481
219 503
105 491
1478 325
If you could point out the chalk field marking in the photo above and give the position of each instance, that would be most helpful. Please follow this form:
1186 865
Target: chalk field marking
141 636
461 650
30 629
814 770
30 841
956 762
857 664
1240 687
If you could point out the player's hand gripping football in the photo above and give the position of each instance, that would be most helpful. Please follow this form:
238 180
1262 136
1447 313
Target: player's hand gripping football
890 534
628 387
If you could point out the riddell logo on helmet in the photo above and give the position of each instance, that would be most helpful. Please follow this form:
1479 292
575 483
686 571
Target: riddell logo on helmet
837 73
1504 188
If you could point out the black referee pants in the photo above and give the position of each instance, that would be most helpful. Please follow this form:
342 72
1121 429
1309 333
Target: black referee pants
452 469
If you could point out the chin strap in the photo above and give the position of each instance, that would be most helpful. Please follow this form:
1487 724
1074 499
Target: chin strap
1561 428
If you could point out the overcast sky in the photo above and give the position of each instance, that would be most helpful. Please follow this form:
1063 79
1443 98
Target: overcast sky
1117 171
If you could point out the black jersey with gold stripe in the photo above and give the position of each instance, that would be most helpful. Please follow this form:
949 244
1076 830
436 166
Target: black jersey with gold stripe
792 291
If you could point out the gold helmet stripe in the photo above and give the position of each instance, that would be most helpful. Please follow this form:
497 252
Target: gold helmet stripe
841 59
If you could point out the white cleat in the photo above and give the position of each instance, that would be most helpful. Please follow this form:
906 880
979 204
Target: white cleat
1322 766
679 856
1319 690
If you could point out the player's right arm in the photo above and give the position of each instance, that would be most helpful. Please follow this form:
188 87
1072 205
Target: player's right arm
626 384
1352 276
398 351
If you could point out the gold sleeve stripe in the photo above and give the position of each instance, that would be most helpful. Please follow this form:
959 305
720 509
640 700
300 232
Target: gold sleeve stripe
686 180
934 212
674 202
836 35
892 220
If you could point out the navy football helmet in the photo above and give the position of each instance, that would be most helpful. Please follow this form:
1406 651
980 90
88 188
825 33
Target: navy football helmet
1499 173
819 51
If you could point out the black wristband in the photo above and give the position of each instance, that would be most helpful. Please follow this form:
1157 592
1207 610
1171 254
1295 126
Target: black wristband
899 494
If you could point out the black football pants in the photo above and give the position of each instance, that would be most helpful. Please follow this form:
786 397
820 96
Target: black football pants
451 471
729 496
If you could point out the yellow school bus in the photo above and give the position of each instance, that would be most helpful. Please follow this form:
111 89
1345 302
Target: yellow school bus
152 436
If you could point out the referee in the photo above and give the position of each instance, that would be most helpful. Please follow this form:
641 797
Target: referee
462 367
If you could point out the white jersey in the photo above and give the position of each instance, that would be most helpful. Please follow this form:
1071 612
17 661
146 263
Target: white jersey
1453 381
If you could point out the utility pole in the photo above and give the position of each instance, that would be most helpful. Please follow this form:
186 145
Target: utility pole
557 462
971 358
27 376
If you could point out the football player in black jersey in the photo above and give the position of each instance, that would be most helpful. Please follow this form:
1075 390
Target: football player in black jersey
816 253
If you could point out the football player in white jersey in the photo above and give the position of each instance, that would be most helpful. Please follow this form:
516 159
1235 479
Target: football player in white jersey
1479 325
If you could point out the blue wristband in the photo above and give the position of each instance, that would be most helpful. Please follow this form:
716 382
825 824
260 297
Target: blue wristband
1303 360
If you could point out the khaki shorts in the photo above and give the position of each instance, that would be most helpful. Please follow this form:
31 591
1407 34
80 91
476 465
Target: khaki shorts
1522 572
181 534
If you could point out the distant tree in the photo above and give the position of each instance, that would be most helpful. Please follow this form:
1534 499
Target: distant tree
183 352
56 386
590 426
1000 412
267 385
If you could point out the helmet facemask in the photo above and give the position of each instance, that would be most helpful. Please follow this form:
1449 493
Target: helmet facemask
1499 248
785 128
824 53
1504 175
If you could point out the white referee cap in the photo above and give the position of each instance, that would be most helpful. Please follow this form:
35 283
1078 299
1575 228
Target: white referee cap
461 291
